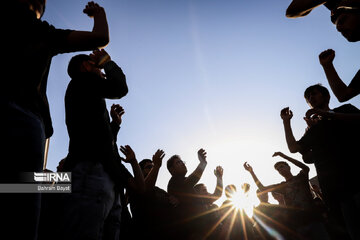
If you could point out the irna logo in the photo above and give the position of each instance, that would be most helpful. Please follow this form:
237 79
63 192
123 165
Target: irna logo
52 177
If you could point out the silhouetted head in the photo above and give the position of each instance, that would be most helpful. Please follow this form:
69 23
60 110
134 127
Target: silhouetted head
317 96
201 189
283 168
176 166
146 165
82 63
346 17
37 6
230 190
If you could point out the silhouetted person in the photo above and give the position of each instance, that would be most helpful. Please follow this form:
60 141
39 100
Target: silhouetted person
345 14
329 144
183 189
29 45
152 211
93 158
208 213
297 197
342 91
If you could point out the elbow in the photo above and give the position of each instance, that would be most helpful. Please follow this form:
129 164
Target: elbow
292 12
342 98
102 41
293 150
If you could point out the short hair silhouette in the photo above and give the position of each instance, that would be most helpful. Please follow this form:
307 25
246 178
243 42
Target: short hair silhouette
276 165
143 162
75 65
171 160
323 90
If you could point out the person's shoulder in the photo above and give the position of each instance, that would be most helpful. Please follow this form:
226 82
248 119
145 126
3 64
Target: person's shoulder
346 108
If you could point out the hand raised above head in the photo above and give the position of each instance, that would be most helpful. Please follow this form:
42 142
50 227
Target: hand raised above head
92 9
248 167
202 155
158 157
277 154
286 114
326 57
129 154
219 171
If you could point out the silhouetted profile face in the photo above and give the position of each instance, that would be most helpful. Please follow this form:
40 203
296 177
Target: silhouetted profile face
348 24
178 167
283 169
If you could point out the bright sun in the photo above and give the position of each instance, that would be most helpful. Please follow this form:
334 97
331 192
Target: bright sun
245 201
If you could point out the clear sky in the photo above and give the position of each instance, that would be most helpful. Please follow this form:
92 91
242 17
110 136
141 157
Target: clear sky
206 74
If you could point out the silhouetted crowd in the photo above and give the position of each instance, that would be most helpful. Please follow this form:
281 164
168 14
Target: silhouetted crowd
109 202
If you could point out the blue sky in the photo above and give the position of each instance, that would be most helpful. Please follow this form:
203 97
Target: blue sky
206 74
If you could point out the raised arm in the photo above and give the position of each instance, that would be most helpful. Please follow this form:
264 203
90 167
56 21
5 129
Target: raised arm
339 88
113 86
258 183
218 172
256 180
98 37
195 176
301 8
116 113
151 178
136 183
294 161
286 115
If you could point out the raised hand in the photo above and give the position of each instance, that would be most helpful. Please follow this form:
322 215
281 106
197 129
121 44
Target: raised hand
129 154
278 154
100 57
219 172
92 9
286 114
158 157
202 155
327 57
116 113
248 167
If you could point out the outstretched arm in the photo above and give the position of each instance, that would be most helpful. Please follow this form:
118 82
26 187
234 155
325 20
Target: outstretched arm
219 184
294 161
286 115
301 8
256 180
98 37
151 178
195 176
258 183
339 88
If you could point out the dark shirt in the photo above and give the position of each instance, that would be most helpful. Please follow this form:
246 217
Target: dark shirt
184 192
88 121
334 151
296 192
29 46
